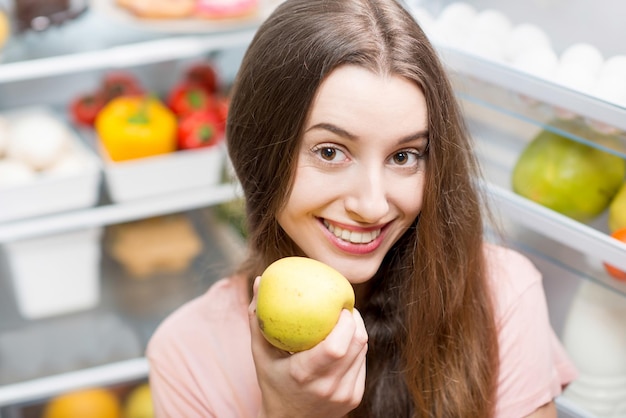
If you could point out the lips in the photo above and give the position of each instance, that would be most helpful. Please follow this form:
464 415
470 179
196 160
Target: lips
354 237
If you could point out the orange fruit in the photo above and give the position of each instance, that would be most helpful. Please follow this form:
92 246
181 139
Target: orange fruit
619 234
88 403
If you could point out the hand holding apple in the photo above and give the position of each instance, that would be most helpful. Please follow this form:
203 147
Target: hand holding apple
326 380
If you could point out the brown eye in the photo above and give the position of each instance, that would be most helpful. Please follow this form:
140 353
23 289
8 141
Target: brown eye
328 153
401 157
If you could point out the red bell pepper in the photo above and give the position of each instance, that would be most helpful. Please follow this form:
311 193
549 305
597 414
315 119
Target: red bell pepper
187 98
85 108
199 129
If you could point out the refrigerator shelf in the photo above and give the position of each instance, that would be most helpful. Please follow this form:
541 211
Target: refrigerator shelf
117 213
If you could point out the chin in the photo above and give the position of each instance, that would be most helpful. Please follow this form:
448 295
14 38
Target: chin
357 272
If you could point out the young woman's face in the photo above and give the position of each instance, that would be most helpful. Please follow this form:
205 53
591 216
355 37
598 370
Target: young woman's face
360 176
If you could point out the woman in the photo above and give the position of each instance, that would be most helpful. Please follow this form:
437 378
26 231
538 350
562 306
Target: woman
348 143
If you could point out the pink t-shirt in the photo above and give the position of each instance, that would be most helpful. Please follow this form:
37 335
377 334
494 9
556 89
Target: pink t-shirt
201 363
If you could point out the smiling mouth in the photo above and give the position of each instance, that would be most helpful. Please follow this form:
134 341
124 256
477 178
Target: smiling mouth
353 237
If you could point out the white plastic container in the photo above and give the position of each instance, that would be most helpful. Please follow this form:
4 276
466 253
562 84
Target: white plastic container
162 174
595 337
52 193
56 274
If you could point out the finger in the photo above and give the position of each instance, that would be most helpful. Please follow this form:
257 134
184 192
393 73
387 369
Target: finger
334 353
359 385
361 332
337 343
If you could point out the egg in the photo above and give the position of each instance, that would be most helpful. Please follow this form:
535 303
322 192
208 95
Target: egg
483 46
492 23
611 89
525 37
460 12
579 65
614 66
424 18
582 55
37 140
486 35
540 61
15 173
70 163
453 24
577 78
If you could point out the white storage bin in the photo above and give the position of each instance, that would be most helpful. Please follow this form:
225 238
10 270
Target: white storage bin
162 174
56 274
52 192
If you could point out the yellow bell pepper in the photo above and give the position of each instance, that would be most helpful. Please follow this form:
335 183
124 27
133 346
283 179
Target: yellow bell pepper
132 127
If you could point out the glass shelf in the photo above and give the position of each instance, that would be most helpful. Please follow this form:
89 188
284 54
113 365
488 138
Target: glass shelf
578 116
94 42
117 212
581 246
129 311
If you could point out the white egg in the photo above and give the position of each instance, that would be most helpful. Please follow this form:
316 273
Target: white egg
487 34
492 23
611 89
614 66
539 62
524 37
582 55
453 23
71 163
15 173
577 78
424 18
459 12
483 46
37 140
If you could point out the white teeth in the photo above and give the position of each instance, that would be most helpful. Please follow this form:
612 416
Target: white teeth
351 236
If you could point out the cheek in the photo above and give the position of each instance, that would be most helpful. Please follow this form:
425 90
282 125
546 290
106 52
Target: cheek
409 196
307 190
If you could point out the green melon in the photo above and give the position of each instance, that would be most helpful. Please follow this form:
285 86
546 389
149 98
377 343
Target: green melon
569 177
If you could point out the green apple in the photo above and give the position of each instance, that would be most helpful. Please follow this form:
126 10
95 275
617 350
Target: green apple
569 177
299 301
617 210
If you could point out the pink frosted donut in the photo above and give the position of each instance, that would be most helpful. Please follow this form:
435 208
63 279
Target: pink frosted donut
226 9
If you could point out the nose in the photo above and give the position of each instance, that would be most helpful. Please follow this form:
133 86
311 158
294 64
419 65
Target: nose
367 198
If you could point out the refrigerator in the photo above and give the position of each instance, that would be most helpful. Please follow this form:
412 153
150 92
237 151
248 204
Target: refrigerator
74 313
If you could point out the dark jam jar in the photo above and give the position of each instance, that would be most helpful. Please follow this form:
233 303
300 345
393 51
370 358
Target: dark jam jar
39 15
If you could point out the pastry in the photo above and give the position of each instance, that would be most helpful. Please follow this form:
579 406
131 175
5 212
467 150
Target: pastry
226 9
154 245
159 9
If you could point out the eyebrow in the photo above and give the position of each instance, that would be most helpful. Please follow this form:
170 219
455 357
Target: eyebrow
345 134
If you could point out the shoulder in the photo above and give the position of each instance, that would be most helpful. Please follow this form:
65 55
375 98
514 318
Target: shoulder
510 275
200 321
200 358
533 365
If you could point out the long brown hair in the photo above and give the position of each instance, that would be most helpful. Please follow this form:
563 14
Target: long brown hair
432 336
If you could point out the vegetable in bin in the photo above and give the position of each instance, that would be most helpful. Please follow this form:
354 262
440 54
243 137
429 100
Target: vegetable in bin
132 127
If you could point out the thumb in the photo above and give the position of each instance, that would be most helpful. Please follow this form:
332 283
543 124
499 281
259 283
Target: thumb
252 306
